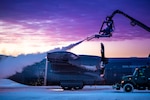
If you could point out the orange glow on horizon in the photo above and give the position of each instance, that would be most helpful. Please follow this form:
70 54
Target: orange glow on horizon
127 48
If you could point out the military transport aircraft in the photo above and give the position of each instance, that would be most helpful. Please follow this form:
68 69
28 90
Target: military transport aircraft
71 71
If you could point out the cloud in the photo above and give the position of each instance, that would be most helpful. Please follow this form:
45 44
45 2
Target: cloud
67 16
52 22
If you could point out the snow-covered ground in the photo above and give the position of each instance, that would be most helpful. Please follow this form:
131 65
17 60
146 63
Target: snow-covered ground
10 90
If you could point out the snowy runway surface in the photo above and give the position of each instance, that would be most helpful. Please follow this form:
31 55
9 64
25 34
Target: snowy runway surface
10 90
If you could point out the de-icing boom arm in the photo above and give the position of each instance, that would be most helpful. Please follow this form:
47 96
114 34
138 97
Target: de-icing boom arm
133 21
108 25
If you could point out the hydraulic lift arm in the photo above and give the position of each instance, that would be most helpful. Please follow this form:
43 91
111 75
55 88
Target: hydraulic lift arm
108 25
133 21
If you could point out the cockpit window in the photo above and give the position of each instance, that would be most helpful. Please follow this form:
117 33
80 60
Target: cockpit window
61 56
73 56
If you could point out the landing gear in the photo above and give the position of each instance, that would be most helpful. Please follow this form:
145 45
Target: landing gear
78 87
71 85
72 88
66 88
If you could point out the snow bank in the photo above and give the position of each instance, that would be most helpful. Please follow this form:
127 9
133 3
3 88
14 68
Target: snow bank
9 83
56 93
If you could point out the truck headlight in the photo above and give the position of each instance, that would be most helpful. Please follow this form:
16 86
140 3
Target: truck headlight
122 82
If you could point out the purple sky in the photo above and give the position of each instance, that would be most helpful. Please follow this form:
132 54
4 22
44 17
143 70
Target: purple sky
29 26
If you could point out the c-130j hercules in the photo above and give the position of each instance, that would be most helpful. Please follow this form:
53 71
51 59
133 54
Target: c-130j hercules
71 71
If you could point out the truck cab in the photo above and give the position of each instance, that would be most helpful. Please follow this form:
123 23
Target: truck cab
139 80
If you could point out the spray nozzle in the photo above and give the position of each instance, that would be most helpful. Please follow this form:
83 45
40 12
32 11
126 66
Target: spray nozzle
97 36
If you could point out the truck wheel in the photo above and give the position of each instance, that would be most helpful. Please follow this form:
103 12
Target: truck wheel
128 87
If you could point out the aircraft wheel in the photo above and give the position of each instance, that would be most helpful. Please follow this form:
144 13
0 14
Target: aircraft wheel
66 88
128 87
78 88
